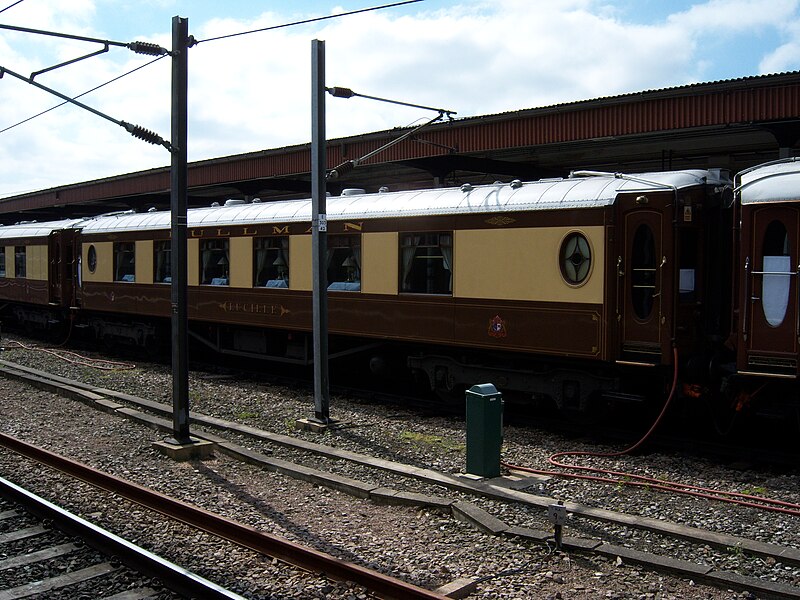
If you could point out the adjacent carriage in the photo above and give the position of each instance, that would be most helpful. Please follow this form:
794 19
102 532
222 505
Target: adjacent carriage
768 264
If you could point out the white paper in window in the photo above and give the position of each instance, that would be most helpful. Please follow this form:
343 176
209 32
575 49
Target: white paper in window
687 280
775 289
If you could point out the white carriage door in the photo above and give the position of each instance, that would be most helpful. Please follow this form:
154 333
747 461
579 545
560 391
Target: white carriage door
772 321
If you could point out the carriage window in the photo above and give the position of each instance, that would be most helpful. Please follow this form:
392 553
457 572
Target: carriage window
344 263
576 258
688 266
777 273
2 261
214 262
643 271
124 261
19 261
162 261
91 258
271 262
426 263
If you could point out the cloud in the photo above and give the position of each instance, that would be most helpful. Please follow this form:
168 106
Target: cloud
252 92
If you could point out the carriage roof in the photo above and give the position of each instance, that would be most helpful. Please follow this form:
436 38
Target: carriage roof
576 192
770 182
34 230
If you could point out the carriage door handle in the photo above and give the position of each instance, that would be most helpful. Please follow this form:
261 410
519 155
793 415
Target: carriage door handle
797 301
663 262
746 294
620 275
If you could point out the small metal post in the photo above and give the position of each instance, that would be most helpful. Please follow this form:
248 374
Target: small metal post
319 236
557 514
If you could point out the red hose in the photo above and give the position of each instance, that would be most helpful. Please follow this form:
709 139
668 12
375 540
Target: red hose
650 482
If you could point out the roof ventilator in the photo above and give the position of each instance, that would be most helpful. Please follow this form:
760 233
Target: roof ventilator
353 192
234 202
467 187
515 184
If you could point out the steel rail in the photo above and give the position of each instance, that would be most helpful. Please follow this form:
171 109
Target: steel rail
294 554
139 559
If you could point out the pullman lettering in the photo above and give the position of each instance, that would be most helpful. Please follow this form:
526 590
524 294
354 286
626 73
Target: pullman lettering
254 308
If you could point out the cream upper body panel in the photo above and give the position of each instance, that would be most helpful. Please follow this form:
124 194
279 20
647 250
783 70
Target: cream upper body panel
523 264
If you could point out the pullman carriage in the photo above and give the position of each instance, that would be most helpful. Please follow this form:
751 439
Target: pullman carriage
539 286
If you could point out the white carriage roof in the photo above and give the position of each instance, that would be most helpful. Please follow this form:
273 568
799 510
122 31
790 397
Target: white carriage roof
34 230
580 191
771 182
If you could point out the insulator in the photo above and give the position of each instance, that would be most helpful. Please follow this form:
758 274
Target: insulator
143 134
147 48
342 169
341 92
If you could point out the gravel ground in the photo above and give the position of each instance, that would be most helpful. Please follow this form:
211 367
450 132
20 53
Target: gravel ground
423 547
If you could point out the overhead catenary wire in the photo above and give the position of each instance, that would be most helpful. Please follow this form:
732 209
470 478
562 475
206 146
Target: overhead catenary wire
11 5
110 81
136 131
306 21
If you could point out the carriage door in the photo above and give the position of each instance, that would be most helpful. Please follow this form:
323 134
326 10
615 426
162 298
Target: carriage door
61 266
771 323
643 282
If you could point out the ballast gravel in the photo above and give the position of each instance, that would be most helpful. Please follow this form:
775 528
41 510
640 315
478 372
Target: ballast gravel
424 547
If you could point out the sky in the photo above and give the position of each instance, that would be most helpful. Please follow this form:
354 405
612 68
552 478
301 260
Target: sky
253 92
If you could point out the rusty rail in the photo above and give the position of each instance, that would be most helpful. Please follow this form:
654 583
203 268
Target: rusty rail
249 537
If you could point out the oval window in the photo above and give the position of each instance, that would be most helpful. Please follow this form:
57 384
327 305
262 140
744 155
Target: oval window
643 271
777 276
91 259
575 258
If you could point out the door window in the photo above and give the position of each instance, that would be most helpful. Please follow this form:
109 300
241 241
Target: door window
643 271
776 274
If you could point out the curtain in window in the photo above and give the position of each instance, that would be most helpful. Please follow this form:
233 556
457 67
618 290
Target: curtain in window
446 245
284 254
356 250
118 265
261 260
409 251
160 259
206 263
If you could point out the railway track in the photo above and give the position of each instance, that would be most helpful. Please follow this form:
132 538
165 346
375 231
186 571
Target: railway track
326 457
289 552
49 552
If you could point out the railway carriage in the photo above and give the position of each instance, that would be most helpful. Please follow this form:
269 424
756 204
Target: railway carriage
37 271
561 289
768 303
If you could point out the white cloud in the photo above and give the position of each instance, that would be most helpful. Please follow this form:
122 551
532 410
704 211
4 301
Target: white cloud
253 92
785 58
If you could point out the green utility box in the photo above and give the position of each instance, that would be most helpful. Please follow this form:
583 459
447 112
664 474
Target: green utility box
484 430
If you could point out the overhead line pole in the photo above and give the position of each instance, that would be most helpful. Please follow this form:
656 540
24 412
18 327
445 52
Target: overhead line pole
181 41
319 235
179 289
